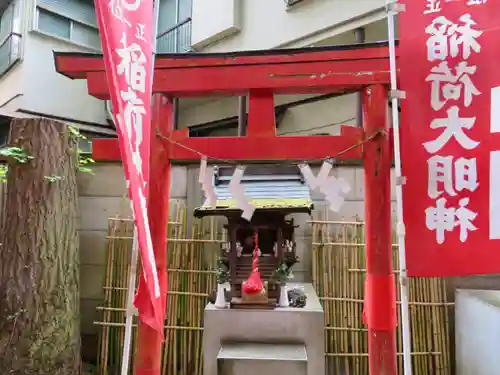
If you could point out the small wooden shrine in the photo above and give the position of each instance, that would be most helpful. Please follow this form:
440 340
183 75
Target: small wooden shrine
275 193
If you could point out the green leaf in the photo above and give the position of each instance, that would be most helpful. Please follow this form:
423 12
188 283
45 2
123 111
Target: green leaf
3 172
76 133
85 170
16 153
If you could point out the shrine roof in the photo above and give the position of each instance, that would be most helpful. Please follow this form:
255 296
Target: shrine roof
278 189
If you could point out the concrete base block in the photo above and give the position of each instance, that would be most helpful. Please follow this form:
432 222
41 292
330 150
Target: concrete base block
231 330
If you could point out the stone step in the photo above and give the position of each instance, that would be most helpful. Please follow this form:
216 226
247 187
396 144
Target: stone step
262 359
248 262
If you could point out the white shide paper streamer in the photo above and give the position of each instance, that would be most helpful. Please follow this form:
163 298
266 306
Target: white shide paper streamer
334 189
238 193
205 180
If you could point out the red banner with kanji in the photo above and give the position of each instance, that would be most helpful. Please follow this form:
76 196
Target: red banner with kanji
450 141
125 27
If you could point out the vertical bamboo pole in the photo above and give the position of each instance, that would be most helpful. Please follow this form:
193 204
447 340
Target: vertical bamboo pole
132 275
343 273
363 291
446 337
122 283
104 330
426 327
355 285
416 337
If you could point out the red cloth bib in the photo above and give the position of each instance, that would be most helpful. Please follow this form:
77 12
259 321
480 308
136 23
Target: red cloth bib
253 284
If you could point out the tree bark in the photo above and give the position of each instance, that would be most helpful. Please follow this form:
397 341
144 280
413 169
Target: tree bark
39 259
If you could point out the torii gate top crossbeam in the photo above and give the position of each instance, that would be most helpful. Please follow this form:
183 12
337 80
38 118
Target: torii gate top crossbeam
343 68
258 74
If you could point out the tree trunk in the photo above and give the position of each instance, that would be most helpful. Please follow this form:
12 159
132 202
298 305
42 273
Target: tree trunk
39 259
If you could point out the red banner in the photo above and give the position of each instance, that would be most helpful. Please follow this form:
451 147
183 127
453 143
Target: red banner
125 27
450 144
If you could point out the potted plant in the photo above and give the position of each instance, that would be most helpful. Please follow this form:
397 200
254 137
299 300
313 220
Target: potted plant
222 275
282 275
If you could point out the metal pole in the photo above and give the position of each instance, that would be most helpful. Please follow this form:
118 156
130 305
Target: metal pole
242 116
131 311
175 105
400 228
360 36
156 19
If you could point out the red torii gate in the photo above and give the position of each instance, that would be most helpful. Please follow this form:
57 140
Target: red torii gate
260 75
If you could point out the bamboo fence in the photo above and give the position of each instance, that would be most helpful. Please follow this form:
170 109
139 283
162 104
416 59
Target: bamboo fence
191 277
338 269
338 272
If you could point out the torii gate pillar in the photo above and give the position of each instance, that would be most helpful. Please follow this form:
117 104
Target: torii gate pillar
149 343
380 297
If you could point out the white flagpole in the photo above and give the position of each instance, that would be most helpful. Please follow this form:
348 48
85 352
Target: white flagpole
131 310
400 229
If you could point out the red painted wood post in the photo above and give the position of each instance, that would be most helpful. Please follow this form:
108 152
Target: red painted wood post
261 117
149 342
380 300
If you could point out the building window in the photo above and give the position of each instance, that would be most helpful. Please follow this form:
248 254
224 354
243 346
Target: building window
10 36
174 26
85 146
75 21
54 24
72 20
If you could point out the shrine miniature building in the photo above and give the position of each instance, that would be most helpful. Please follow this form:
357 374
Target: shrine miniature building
275 193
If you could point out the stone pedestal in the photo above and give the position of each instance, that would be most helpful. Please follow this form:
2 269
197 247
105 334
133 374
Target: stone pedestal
239 341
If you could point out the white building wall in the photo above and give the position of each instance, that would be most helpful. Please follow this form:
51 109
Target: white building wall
477 328
12 89
324 116
33 85
12 83
52 93
231 25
